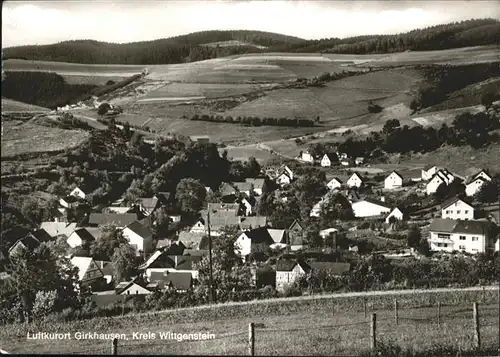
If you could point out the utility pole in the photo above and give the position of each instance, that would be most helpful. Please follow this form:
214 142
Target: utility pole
210 281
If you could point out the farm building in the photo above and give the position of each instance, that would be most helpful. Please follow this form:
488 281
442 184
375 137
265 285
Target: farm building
393 181
457 208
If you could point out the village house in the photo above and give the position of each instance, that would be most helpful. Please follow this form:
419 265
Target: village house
69 202
474 186
359 160
88 270
334 183
326 161
131 288
316 210
247 207
448 235
177 281
148 205
139 236
288 271
306 157
30 242
253 241
283 179
198 227
355 180
397 213
457 208
161 262
441 177
328 233
55 229
393 181
296 235
80 236
370 208
77 192
428 172
484 175
257 184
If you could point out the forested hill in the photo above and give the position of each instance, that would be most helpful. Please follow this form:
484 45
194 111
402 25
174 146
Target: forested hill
192 47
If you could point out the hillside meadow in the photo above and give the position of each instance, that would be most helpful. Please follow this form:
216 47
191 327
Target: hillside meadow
294 326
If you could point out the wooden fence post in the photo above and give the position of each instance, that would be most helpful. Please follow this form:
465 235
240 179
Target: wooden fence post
364 304
477 335
396 320
114 347
251 339
439 314
373 332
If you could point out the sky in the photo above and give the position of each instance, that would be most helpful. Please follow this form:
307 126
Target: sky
45 22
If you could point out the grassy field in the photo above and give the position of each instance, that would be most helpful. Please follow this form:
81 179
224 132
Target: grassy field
9 105
326 326
30 138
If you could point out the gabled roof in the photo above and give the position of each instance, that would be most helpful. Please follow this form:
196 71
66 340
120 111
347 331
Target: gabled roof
278 235
253 222
118 210
243 186
58 228
140 229
443 225
259 235
162 243
451 201
333 267
84 235
148 203
295 224
190 239
41 235
473 227
185 262
163 197
336 179
83 264
195 252
176 280
258 183
226 189
428 167
70 199
30 242
120 220
482 172
222 207
395 172
288 265
356 174
479 178
121 287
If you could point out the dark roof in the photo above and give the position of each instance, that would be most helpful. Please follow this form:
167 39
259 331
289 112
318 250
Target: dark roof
428 166
474 179
443 225
253 222
85 235
295 224
163 243
288 265
121 220
163 197
256 182
148 203
179 281
41 235
175 248
451 201
195 252
473 227
105 266
190 239
334 267
140 229
71 199
29 242
260 235
162 261
184 262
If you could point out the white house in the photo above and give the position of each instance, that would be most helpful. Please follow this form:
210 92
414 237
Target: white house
325 161
139 236
475 186
355 180
198 227
287 271
316 210
441 177
306 157
428 171
288 171
393 181
334 183
77 192
131 288
448 235
457 208
88 270
396 213
247 207
359 160
370 208
342 156
283 179
79 237
325 233
253 241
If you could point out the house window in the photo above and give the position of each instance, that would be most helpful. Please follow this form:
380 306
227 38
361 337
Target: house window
475 250
466 212
462 237
475 239
447 212
458 211
443 236
461 247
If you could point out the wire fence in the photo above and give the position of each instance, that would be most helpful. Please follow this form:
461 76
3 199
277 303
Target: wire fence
339 333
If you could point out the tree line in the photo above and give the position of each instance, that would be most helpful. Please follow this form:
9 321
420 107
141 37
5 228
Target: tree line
255 121
191 47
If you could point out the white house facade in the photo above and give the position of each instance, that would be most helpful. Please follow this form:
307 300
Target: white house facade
135 289
393 181
334 183
354 181
428 172
433 184
142 242
198 227
306 157
396 213
283 179
457 209
288 277
369 208
325 161
77 193
475 186
448 235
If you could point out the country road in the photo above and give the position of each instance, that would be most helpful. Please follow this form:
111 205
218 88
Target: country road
325 296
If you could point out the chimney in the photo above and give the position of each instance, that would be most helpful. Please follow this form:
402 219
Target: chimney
382 199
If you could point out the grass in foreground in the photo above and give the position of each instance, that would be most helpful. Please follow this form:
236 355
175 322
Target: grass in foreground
297 327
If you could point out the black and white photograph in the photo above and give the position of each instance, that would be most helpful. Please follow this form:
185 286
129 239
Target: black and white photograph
273 178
